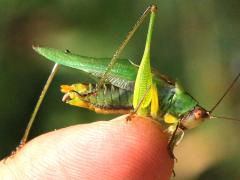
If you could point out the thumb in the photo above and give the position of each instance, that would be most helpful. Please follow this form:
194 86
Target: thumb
116 149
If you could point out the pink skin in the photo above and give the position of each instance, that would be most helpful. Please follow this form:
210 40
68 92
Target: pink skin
116 149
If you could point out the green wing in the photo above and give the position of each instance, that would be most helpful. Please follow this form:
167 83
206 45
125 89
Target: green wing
123 73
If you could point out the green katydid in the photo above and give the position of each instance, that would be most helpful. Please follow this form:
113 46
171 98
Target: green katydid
124 87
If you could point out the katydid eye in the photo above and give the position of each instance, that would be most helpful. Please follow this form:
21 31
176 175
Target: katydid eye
198 114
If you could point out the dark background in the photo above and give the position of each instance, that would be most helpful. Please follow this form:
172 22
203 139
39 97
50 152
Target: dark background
196 42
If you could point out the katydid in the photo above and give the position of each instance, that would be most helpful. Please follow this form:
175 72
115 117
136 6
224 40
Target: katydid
125 87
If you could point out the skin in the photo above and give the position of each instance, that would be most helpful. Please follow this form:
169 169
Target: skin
116 149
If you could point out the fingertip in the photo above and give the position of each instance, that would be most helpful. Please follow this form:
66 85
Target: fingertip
116 149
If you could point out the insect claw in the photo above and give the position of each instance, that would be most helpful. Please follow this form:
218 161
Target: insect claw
174 173
13 153
129 117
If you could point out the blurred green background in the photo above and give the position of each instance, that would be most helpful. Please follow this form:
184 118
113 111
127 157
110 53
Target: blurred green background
196 42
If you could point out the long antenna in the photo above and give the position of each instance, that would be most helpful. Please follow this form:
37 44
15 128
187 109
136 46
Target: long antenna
39 102
123 44
225 93
222 117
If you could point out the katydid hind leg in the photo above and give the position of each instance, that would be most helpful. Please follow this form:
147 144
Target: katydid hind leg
144 75
123 44
38 104
35 111
143 83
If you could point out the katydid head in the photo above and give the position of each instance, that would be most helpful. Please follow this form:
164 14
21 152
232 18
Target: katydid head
194 117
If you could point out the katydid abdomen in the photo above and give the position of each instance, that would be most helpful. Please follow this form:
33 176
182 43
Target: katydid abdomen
109 99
